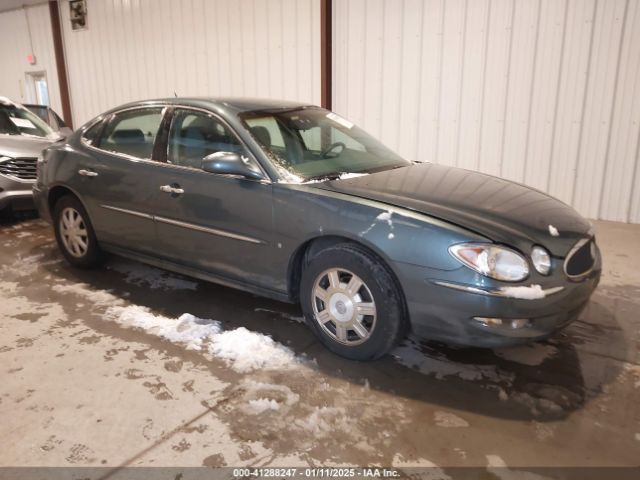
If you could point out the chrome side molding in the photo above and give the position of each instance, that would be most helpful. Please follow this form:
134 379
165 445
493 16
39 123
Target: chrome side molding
190 226
129 212
212 231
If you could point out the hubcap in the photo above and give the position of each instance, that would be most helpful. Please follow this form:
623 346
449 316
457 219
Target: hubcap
343 306
73 232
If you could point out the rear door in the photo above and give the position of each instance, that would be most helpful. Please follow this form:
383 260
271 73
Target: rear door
218 223
114 179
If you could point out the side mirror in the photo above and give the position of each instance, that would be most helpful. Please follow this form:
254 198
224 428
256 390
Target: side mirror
231 163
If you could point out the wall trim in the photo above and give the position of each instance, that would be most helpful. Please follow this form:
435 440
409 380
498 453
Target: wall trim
326 53
61 66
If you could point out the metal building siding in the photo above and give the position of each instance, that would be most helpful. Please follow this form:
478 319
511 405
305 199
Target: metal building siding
137 49
544 92
14 48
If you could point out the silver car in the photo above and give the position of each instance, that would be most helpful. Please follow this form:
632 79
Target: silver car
23 136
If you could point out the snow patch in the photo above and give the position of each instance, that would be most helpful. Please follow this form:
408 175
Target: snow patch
245 351
261 405
553 231
494 461
280 393
9 288
449 420
344 176
289 177
461 452
434 472
385 217
532 292
498 467
189 330
100 298
635 371
536 405
382 217
241 349
154 278
532 355
502 395
323 421
543 431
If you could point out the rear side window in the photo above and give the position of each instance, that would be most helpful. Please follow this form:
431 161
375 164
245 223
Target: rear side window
132 133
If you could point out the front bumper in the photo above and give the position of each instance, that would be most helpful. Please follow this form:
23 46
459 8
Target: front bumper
15 193
444 310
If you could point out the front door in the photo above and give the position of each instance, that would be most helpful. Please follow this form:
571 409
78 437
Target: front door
217 223
114 179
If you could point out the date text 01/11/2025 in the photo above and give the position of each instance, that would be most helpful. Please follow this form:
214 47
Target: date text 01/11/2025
328 472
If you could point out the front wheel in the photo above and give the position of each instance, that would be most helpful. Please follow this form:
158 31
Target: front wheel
352 302
74 233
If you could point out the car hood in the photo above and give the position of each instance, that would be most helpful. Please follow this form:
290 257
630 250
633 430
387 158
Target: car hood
501 210
22 145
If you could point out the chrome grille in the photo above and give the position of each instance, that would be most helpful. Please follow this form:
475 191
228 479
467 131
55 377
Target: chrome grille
581 258
22 168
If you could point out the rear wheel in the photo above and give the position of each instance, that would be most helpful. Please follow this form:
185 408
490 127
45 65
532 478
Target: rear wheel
74 233
352 302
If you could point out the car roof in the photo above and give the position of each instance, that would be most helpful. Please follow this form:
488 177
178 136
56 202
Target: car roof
229 104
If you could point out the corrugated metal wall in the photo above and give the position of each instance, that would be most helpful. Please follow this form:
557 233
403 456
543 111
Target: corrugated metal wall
14 48
138 49
544 92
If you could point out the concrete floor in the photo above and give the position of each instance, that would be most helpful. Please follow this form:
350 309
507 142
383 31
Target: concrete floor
79 389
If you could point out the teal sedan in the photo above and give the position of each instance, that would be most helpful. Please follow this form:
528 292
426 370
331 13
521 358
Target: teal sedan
296 203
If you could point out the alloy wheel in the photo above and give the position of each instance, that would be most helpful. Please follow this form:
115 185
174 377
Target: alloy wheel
73 232
344 306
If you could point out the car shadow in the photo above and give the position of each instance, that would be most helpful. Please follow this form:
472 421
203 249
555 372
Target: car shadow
9 218
546 381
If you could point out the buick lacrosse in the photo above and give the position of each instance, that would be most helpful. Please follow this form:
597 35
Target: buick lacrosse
296 203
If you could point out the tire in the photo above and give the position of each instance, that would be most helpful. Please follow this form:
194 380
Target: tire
86 254
331 308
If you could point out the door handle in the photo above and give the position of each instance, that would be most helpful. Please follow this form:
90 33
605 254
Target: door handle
170 189
87 173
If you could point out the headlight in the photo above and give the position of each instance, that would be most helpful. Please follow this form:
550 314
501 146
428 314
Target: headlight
541 260
492 261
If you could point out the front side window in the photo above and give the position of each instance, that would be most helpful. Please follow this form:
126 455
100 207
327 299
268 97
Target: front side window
132 132
313 143
16 120
195 135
